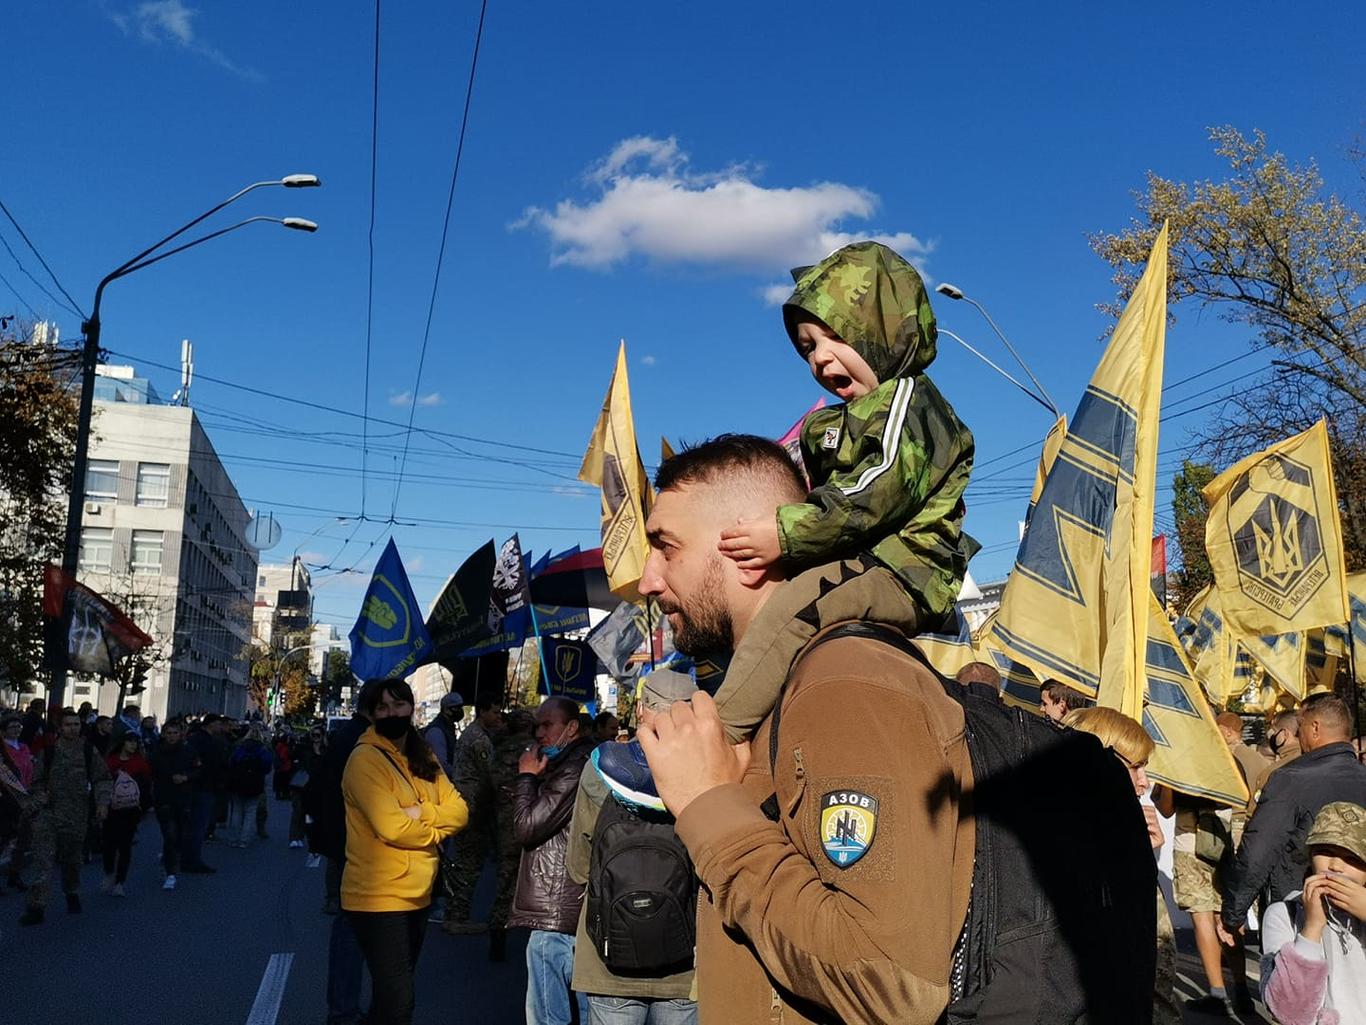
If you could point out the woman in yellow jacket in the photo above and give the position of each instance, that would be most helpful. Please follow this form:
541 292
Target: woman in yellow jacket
399 807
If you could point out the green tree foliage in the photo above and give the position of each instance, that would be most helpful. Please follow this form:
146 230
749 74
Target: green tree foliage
37 443
1269 248
1190 510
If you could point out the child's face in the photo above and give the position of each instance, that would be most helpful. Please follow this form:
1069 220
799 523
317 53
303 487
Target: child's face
1326 858
834 364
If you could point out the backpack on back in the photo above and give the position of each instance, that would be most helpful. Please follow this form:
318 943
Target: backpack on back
1062 921
642 893
127 794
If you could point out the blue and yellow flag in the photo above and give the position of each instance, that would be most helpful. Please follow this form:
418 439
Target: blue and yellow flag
1274 539
1076 607
389 639
571 670
1190 755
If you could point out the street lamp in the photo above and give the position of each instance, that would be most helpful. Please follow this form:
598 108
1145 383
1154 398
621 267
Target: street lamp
90 354
954 292
1013 380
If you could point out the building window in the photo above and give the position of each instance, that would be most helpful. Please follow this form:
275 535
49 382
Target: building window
97 549
146 553
102 479
154 485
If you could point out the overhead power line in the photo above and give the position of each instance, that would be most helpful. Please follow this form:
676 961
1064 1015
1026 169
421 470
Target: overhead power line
440 253
74 307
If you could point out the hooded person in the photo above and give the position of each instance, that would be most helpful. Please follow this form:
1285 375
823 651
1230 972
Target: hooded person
888 467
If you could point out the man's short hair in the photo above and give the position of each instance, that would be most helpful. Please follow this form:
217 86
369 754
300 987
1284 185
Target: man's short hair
979 672
1230 721
1330 711
483 702
728 454
568 709
1287 720
1059 692
602 719
131 706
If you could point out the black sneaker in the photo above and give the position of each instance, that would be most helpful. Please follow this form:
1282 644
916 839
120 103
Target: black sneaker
1242 1001
73 903
31 917
1208 1004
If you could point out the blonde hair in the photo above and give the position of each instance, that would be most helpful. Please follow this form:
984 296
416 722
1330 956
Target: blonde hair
1115 730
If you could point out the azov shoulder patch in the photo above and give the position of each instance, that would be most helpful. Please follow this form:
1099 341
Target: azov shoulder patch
848 825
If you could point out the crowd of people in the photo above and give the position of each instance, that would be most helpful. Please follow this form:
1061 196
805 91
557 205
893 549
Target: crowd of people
834 832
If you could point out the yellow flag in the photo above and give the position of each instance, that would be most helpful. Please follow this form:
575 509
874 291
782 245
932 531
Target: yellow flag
613 463
1076 607
949 653
1019 686
1274 539
666 451
1348 640
1283 658
1190 755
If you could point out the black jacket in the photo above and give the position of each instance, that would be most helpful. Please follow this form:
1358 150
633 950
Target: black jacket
212 753
1273 857
168 761
542 806
323 796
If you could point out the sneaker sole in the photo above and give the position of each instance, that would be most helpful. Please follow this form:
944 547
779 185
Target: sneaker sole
636 797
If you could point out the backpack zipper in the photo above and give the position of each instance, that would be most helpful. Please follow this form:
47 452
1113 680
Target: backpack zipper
801 782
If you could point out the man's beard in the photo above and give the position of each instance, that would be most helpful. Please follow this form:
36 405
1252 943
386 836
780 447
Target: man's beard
704 626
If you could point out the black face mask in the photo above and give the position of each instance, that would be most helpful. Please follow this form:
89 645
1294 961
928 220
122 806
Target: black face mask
392 727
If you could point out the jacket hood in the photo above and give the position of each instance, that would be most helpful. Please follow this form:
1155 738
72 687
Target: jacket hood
874 300
837 592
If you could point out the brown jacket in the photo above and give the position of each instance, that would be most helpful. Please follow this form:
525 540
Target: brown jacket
785 933
1288 753
546 897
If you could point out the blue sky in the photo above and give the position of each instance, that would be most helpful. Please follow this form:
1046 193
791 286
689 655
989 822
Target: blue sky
640 171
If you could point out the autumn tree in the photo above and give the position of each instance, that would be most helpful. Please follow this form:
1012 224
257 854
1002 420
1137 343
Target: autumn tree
38 411
1270 249
1190 510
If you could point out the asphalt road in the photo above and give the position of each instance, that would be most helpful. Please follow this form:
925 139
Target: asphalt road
200 953
207 951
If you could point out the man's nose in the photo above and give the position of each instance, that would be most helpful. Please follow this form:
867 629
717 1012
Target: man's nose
651 577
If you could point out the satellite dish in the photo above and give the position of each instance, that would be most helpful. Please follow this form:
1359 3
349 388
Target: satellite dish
263 531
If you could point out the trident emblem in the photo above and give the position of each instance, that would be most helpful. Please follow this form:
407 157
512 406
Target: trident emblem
1278 552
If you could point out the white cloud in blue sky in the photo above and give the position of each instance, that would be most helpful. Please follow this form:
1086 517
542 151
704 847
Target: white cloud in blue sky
649 202
171 22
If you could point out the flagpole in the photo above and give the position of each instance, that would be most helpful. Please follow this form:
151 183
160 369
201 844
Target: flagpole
540 648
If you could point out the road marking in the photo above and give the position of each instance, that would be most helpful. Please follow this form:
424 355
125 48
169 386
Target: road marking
314 860
266 1008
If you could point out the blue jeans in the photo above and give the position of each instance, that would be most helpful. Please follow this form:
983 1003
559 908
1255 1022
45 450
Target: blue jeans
345 969
640 1011
549 974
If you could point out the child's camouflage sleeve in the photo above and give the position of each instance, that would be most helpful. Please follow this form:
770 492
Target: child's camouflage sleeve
879 465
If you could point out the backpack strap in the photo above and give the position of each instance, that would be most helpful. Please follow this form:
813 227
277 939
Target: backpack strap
402 775
870 631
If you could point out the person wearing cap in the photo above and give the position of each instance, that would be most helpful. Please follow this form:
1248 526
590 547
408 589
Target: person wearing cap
441 733
617 999
1313 958
470 848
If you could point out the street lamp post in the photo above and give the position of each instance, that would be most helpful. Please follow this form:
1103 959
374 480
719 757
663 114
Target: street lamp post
954 292
71 547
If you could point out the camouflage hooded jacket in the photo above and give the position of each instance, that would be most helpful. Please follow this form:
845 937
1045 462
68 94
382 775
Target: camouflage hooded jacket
888 468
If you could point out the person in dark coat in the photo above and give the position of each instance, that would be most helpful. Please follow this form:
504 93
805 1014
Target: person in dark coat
547 900
1272 859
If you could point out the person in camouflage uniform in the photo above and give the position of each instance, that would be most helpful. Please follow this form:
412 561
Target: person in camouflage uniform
473 756
67 779
888 465
518 735
25 821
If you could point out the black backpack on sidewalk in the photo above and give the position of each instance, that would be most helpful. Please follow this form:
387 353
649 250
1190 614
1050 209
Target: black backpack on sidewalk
642 894
1062 923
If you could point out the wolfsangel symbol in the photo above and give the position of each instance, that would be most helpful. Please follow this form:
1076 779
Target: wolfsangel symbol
848 825
567 663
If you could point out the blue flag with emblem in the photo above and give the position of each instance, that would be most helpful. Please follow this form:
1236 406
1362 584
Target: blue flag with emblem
389 639
571 669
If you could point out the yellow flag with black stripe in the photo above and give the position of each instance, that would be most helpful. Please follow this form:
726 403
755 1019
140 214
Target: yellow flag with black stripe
1076 607
1189 754
613 463
1274 539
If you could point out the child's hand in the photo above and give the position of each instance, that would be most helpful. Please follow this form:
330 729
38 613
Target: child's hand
1345 894
753 544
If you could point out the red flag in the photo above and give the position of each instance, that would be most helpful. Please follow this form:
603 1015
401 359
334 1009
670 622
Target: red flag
1157 572
84 631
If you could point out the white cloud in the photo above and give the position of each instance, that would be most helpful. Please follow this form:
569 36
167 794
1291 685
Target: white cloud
775 295
649 203
170 21
405 398
648 361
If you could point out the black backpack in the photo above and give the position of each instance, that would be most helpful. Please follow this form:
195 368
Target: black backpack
247 775
1062 923
642 894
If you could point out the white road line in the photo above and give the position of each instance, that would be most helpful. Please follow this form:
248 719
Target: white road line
266 1007
314 860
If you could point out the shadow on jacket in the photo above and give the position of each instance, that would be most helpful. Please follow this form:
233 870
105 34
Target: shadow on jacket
323 801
